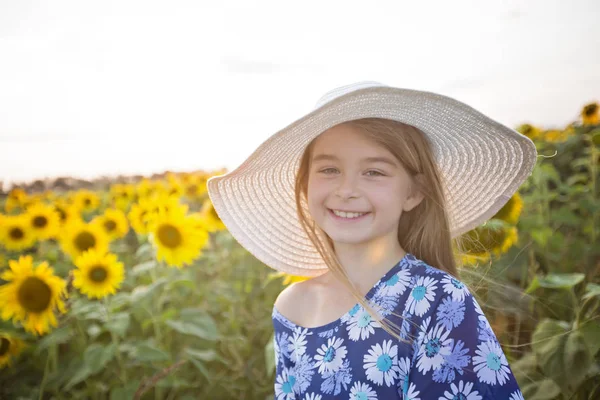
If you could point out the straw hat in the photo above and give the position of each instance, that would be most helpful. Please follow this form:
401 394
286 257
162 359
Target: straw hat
482 163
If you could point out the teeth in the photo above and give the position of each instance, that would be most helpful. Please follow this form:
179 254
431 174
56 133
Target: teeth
344 214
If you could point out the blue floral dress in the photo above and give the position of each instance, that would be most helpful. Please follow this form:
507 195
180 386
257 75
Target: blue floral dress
454 352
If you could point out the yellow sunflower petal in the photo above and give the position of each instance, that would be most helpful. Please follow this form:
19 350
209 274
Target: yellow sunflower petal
113 222
590 114
79 236
98 274
177 239
31 296
43 220
10 347
16 232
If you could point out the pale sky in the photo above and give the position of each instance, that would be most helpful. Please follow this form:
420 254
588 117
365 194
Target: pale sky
109 87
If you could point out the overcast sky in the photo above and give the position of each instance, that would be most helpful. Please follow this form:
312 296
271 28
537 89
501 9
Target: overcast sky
109 87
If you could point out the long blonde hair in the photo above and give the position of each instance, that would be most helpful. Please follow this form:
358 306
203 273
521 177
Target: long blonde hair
423 231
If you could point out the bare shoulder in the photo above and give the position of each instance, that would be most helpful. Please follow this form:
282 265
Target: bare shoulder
295 299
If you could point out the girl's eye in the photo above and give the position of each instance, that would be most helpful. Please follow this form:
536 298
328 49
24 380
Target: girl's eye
333 169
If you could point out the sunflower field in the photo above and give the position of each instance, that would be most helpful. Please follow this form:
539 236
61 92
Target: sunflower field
137 290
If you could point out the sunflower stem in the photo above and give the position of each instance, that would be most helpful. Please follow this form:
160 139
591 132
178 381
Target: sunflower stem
43 385
115 341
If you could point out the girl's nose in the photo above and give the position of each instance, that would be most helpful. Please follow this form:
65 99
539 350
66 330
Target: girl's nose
347 188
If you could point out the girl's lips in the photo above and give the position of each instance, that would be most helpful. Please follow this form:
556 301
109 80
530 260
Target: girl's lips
347 220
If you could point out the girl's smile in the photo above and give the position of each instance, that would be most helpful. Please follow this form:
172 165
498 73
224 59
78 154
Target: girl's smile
348 217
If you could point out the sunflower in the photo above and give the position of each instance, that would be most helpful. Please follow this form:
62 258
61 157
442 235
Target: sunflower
287 278
31 295
78 236
175 187
483 240
555 135
148 188
66 212
114 222
43 220
512 210
16 199
200 221
16 233
214 221
176 238
529 130
122 195
9 347
589 114
167 203
98 274
85 200
139 214
195 187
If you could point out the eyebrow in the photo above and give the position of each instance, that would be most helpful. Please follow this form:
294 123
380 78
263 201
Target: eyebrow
384 160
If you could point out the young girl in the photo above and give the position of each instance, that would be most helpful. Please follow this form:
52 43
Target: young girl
367 195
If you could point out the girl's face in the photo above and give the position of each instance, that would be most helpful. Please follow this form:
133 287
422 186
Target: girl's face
343 178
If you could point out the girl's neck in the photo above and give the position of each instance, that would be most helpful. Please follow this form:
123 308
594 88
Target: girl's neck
366 265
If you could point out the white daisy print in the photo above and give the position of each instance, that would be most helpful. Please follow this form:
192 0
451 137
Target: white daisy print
396 285
331 356
455 288
361 325
434 348
350 314
412 393
312 396
284 385
463 391
303 372
422 294
297 345
482 317
490 363
423 329
516 396
381 363
362 391
404 364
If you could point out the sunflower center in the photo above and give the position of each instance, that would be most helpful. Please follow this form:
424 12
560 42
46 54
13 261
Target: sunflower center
4 346
110 225
169 236
192 190
62 213
87 202
84 241
34 295
17 233
591 110
98 273
40 221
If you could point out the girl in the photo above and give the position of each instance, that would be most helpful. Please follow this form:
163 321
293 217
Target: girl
367 195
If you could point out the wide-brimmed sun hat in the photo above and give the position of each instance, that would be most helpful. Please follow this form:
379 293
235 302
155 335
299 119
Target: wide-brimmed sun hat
482 164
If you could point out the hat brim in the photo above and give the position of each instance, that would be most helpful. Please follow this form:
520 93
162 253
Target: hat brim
482 164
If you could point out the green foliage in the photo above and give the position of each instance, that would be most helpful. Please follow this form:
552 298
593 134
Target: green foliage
214 315
552 275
